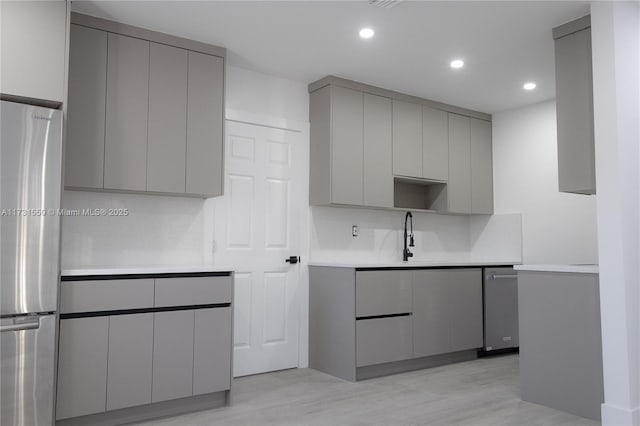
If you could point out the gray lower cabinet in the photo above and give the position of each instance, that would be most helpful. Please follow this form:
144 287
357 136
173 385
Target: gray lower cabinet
383 292
574 107
447 310
381 340
84 147
212 349
172 355
82 367
129 369
125 149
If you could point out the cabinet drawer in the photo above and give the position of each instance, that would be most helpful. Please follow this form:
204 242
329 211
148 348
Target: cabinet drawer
382 340
192 291
105 295
383 292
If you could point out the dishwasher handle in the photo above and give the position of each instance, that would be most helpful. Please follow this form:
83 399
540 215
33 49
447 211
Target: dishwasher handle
503 276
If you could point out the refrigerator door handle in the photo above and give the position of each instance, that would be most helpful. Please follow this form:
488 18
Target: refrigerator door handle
33 325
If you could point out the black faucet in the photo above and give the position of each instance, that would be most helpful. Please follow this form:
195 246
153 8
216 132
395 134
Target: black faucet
406 254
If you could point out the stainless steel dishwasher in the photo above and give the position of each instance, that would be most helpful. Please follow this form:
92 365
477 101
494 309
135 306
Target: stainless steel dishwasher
500 295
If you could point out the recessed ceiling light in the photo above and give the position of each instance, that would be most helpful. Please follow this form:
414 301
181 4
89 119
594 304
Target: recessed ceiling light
366 33
456 63
529 85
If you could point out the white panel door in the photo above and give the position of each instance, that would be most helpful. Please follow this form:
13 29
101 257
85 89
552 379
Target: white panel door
257 227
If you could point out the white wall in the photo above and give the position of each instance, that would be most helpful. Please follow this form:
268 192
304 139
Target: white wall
171 230
556 227
615 32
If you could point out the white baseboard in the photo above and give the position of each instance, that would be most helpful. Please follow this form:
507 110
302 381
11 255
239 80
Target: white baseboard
619 416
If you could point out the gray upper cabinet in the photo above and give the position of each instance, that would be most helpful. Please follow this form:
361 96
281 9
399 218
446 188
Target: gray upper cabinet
84 148
459 186
481 166
407 139
377 167
32 55
144 116
205 125
435 144
346 146
350 148
125 151
167 125
574 107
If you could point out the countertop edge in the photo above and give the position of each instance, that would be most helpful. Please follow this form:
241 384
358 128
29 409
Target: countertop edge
145 270
418 264
576 269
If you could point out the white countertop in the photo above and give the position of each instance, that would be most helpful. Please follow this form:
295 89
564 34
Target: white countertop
580 269
412 264
153 269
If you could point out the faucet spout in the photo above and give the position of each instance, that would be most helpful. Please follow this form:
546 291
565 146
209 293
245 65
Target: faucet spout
406 253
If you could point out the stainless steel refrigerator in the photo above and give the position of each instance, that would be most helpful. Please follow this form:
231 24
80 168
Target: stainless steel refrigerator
30 185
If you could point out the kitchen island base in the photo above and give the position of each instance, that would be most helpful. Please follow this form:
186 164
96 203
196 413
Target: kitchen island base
386 369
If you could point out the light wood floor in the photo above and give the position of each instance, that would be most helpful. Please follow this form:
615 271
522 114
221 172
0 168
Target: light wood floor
483 392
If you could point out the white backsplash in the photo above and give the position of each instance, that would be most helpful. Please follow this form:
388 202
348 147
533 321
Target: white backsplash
158 230
437 237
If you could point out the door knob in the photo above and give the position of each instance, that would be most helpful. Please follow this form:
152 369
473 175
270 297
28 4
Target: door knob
293 259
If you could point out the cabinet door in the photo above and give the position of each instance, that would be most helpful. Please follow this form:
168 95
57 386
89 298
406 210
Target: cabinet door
459 185
130 356
383 340
125 152
431 329
574 105
172 355
377 155
346 146
32 37
205 125
407 139
383 292
465 308
212 350
167 119
435 144
481 167
82 366
84 149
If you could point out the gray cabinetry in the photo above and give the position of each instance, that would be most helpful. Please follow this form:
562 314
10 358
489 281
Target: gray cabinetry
144 116
129 369
481 167
447 310
470 187
435 144
84 148
383 292
172 355
32 53
407 139
125 148
82 367
167 124
574 107
346 146
212 349
205 125
377 138
381 340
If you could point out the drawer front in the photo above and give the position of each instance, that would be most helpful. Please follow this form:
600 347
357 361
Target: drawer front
192 291
105 295
383 340
383 292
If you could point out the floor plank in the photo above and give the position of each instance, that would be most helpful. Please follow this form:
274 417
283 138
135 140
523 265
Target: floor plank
482 392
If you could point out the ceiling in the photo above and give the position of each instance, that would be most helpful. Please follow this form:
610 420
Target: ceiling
503 43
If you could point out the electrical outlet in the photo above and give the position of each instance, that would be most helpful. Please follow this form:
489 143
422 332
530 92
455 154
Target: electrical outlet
354 231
